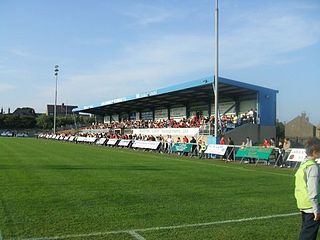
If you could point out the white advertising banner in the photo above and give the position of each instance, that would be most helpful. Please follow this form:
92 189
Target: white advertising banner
112 141
101 141
297 155
124 143
81 139
145 144
216 149
71 138
167 131
90 139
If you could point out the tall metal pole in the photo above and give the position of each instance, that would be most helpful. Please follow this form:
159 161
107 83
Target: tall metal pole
216 69
56 70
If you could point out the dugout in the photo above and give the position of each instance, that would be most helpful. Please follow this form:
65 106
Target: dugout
195 97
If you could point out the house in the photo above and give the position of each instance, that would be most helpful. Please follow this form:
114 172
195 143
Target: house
300 128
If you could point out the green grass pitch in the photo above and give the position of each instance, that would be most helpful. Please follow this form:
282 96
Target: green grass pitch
57 190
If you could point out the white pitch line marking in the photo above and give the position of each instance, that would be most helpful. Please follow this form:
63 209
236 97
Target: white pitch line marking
1 235
164 228
136 235
215 223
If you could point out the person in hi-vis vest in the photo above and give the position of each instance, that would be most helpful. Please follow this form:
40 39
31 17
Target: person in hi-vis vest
307 192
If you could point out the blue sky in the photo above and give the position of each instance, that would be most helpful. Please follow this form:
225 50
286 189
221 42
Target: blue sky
113 48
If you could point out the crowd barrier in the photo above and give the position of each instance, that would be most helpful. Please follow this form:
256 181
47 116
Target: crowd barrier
13 134
240 153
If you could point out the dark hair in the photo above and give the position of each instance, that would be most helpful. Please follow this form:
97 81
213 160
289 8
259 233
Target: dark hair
313 144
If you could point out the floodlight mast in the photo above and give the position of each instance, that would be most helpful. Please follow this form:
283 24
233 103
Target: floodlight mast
216 70
56 70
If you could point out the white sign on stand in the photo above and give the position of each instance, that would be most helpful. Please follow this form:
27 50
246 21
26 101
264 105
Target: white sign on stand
124 143
216 149
112 141
101 141
297 155
145 144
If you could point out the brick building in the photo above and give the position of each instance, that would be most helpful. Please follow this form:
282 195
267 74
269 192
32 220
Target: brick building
62 110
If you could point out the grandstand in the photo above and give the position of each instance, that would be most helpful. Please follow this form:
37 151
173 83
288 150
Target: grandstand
195 99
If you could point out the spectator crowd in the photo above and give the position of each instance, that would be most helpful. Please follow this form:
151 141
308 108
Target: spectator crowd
226 122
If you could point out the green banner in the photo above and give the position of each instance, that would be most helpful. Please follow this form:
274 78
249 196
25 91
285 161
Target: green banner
182 147
254 152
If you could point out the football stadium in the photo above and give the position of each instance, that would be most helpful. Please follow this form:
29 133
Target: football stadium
150 168
196 159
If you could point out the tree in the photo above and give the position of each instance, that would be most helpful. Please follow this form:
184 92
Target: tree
280 130
45 122
17 122
27 121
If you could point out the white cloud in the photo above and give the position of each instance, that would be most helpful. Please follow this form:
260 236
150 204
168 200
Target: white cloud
259 38
146 66
263 37
248 40
18 51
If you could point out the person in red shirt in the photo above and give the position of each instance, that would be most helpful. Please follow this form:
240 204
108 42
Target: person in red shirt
266 143
222 141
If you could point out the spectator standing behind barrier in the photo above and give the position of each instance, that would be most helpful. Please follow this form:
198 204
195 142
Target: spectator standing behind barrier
230 149
279 152
202 149
248 143
199 147
230 141
185 140
307 191
222 142
193 141
286 151
170 143
272 142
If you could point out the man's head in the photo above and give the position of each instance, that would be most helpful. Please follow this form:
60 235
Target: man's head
313 147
